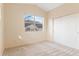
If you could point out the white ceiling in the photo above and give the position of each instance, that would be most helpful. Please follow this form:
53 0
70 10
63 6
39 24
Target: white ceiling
48 6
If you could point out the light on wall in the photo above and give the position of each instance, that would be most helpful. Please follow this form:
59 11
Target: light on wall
20 37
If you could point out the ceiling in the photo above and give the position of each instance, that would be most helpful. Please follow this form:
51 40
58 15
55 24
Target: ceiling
48 6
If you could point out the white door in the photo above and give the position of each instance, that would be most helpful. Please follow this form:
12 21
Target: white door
65 30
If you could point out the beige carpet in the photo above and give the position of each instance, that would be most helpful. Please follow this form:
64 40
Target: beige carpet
42 49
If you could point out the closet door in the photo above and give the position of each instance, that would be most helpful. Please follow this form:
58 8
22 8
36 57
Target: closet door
65 30
77 30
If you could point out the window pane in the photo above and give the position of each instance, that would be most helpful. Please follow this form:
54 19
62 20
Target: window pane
38 19
29 22
38 23
29 18
29 26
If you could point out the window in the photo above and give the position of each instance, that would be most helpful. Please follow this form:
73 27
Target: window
33 23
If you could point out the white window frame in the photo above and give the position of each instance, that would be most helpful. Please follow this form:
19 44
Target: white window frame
34 24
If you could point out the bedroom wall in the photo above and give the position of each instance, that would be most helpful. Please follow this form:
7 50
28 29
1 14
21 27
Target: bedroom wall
14 25
65 23
50 29
61 11
1 32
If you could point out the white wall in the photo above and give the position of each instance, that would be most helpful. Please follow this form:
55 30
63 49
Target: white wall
1 31
66 30
14 25
50 28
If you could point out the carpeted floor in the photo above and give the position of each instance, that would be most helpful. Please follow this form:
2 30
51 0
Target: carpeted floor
42 49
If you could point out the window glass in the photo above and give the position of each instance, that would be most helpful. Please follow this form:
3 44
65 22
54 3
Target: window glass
29 18
33 23
38 23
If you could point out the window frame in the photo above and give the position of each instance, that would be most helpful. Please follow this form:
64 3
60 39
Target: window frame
34 23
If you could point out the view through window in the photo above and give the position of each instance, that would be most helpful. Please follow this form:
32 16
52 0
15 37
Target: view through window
33 23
